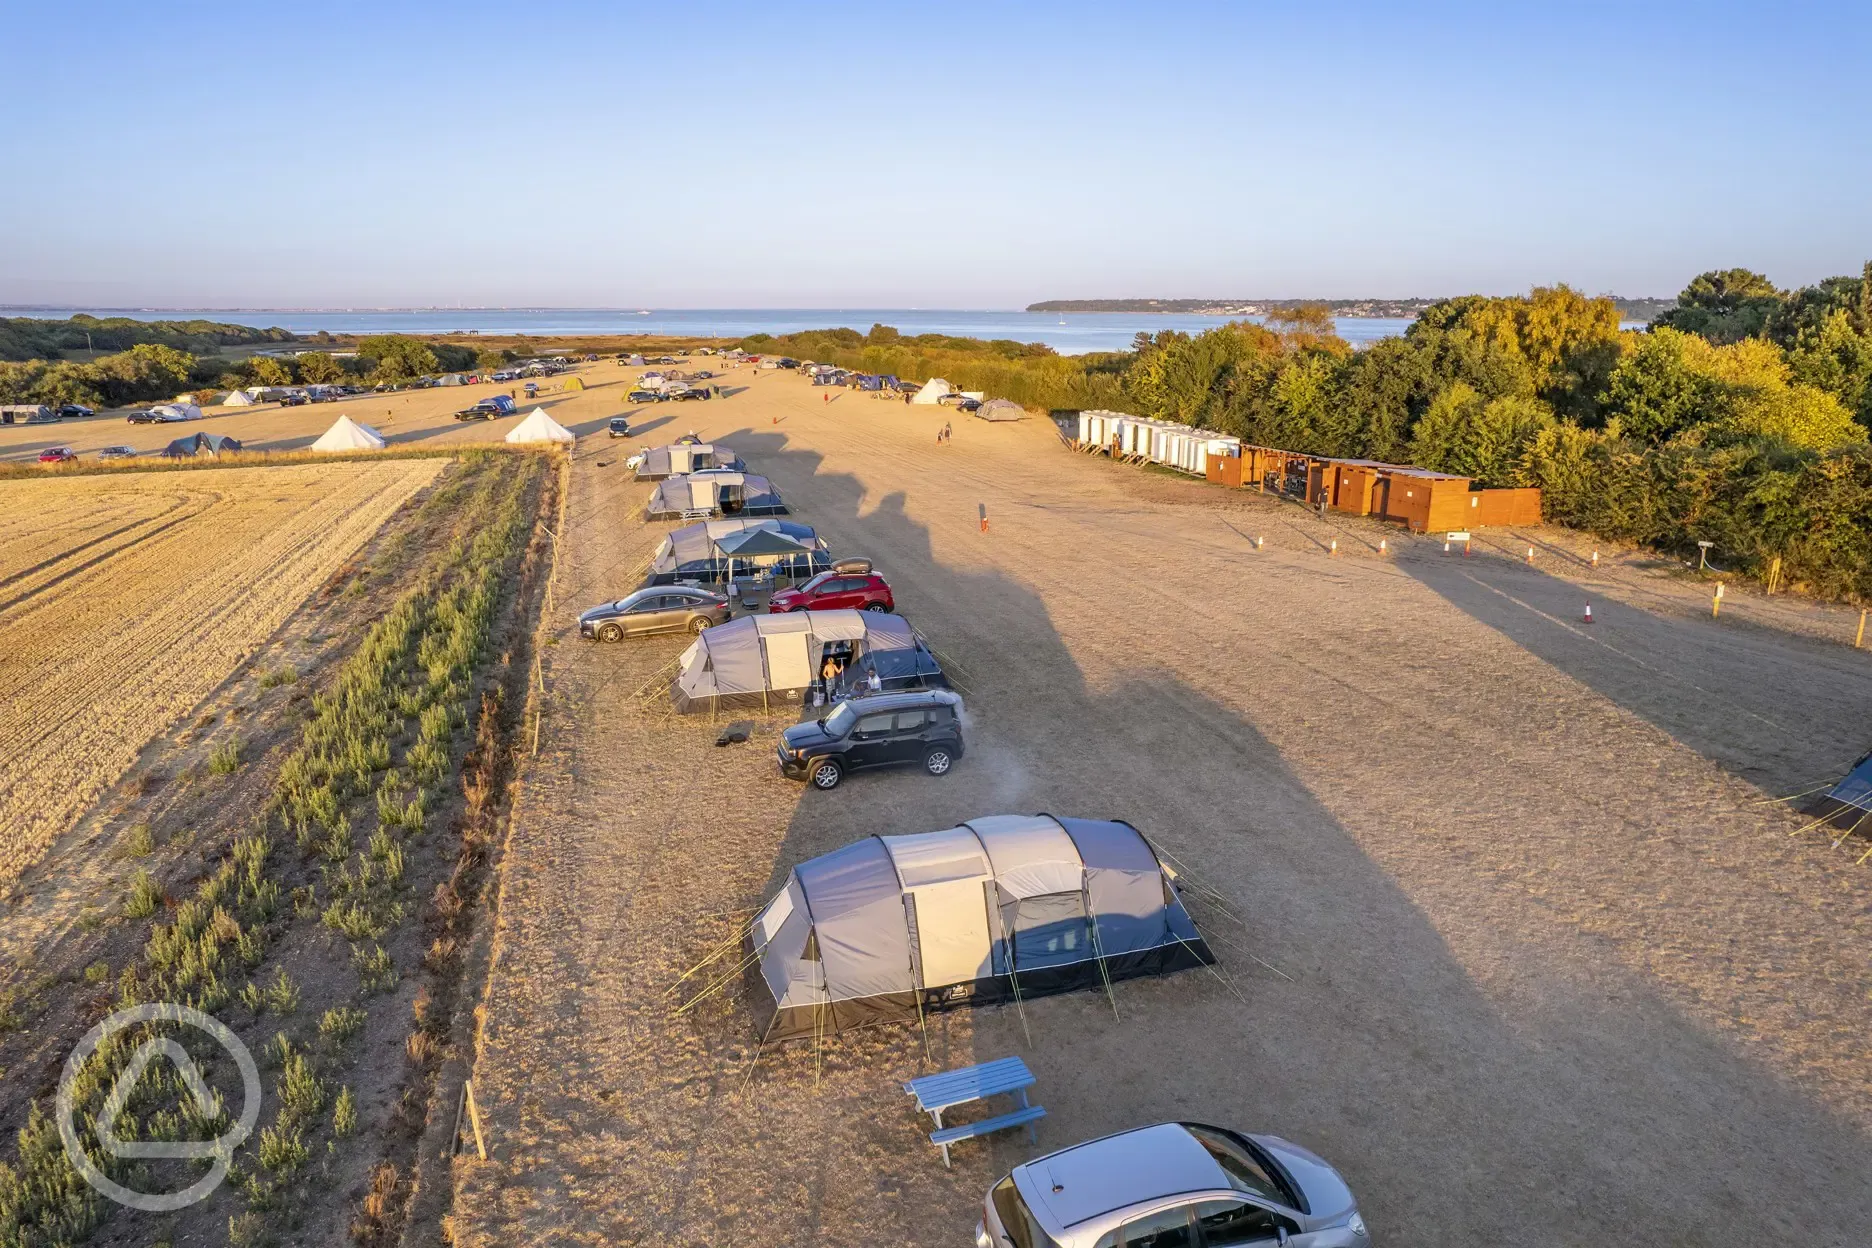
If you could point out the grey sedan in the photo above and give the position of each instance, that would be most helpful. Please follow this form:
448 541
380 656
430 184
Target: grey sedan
658 609
1174 1185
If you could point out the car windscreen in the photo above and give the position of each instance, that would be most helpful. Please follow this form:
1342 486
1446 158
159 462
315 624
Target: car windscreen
817 583
1016 1219
839 722
1243 1166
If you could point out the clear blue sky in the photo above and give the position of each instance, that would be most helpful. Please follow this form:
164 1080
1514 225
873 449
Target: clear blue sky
943 155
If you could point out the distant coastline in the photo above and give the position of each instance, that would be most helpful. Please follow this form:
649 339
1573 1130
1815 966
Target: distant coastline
1633 309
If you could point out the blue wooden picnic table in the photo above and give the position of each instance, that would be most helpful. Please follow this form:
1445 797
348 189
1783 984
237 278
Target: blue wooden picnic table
935 1093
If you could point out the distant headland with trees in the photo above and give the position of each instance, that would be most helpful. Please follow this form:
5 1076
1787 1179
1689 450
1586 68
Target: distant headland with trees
1398 309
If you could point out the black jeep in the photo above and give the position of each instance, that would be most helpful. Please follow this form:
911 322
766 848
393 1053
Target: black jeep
923 727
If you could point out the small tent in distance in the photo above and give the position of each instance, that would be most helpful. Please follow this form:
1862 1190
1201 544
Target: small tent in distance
177 411
539 427
237 398
1000 908
1001 409
213 445
935 390
348 435
572 383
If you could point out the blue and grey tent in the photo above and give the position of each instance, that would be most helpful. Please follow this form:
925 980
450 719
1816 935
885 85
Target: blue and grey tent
1852 796
998 909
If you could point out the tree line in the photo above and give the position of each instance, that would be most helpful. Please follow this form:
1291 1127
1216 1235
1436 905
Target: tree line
150 372
1739 417
27 338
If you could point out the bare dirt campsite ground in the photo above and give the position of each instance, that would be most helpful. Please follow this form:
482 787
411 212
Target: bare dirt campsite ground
1518 943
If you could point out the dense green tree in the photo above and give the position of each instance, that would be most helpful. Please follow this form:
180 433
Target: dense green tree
146 371
488 359
1837 358
269 371
318 368
1724 306
397 357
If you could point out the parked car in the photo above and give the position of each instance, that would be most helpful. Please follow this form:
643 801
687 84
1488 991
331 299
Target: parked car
491 408
1176 1183
294 398
693 392
644 396
834 590
702 374
117 452
70 410
658 609
57 455
619 427
968 405
921 728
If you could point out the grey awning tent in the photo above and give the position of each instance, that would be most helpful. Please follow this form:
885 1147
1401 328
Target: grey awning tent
1000 908
1001 409
757 658
660 462
714 492
694 553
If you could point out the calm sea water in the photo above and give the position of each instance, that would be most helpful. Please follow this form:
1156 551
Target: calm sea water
1070 334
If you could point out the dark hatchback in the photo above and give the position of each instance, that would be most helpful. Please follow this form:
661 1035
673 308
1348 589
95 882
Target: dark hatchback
923 728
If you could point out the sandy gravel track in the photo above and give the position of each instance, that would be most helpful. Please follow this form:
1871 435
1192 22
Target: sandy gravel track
1541 964
124 600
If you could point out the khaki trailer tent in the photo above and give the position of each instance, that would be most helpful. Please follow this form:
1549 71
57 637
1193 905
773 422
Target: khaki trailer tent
712 493
998 909
27 414
681 458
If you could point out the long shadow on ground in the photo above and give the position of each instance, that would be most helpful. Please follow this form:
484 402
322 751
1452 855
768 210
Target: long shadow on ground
1603 1110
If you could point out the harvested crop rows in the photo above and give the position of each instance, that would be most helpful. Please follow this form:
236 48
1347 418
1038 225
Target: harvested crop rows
125 599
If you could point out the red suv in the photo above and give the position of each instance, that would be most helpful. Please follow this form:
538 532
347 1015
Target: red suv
835 590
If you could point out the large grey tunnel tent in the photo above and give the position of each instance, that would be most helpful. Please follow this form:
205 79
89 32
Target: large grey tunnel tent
714 492
1002 908
705 552
756 658
685 457
1001 409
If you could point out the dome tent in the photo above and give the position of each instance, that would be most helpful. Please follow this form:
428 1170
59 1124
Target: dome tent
1001 409
1001 908
237 398
539 427
572 383
348 435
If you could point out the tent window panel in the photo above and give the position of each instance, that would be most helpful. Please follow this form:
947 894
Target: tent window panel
1050 930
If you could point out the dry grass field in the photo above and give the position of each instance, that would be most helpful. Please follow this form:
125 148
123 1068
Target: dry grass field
1519 943
125 599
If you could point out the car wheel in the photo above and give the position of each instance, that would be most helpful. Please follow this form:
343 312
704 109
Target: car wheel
826 774
876 606
610 632
938 761
700 624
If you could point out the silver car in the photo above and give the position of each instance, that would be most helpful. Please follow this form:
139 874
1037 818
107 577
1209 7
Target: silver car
1174 1185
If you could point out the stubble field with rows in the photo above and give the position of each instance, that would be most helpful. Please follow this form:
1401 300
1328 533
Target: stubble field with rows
127 598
